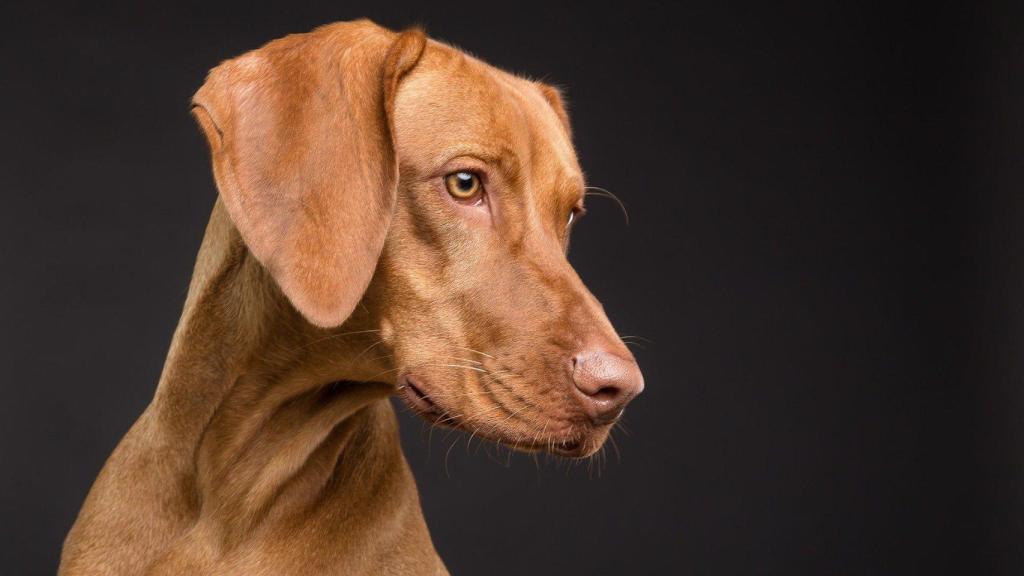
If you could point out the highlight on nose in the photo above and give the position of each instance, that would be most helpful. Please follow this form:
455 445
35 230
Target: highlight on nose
605 383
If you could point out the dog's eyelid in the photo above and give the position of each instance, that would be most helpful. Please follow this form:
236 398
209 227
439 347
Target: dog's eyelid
466 164
577 212
499 163
475 162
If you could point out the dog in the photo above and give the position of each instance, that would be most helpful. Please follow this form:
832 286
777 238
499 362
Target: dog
393 217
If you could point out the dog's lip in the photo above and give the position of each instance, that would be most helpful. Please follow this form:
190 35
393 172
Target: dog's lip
574 445
414 393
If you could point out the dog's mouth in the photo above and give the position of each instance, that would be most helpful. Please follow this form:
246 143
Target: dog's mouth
576 444
418 399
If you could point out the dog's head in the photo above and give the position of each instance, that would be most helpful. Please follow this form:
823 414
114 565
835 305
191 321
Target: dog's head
364 167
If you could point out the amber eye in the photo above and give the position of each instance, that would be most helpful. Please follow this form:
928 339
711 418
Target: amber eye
462 185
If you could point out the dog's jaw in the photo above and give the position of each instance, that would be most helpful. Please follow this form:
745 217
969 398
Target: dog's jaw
526 428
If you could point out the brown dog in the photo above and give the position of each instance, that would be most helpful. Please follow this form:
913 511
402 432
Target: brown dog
393 216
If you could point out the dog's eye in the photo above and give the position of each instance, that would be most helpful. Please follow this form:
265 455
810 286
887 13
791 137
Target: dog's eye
575 214
462 185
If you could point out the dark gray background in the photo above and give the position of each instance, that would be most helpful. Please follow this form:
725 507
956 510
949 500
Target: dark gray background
824 255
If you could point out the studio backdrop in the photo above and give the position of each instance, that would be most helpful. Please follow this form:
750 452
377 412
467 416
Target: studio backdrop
821 268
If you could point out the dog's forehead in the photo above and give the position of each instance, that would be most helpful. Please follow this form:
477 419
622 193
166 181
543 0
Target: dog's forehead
453 104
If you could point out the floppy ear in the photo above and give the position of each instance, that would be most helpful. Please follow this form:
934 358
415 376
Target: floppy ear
302 149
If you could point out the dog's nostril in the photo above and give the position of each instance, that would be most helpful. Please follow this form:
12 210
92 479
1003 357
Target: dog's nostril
605 382
607 394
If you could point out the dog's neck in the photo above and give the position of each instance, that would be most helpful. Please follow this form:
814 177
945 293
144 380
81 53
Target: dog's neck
272 411
236 325
268 448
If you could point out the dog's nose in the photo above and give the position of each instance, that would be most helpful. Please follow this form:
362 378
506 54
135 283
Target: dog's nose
605 383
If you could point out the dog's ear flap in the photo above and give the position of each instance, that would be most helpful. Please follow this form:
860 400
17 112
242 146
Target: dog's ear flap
302 147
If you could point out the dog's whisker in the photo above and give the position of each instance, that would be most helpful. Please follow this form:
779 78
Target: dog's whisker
602 192
463 359
381 373
621 425
457 366
329 337
367 349
476 352
501 373
615 445
379 358
476 368
446 455
469 442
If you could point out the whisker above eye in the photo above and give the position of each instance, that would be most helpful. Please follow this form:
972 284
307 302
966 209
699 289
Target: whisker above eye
633 341
598 191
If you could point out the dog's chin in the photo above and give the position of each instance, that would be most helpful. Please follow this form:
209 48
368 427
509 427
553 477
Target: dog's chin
583 442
